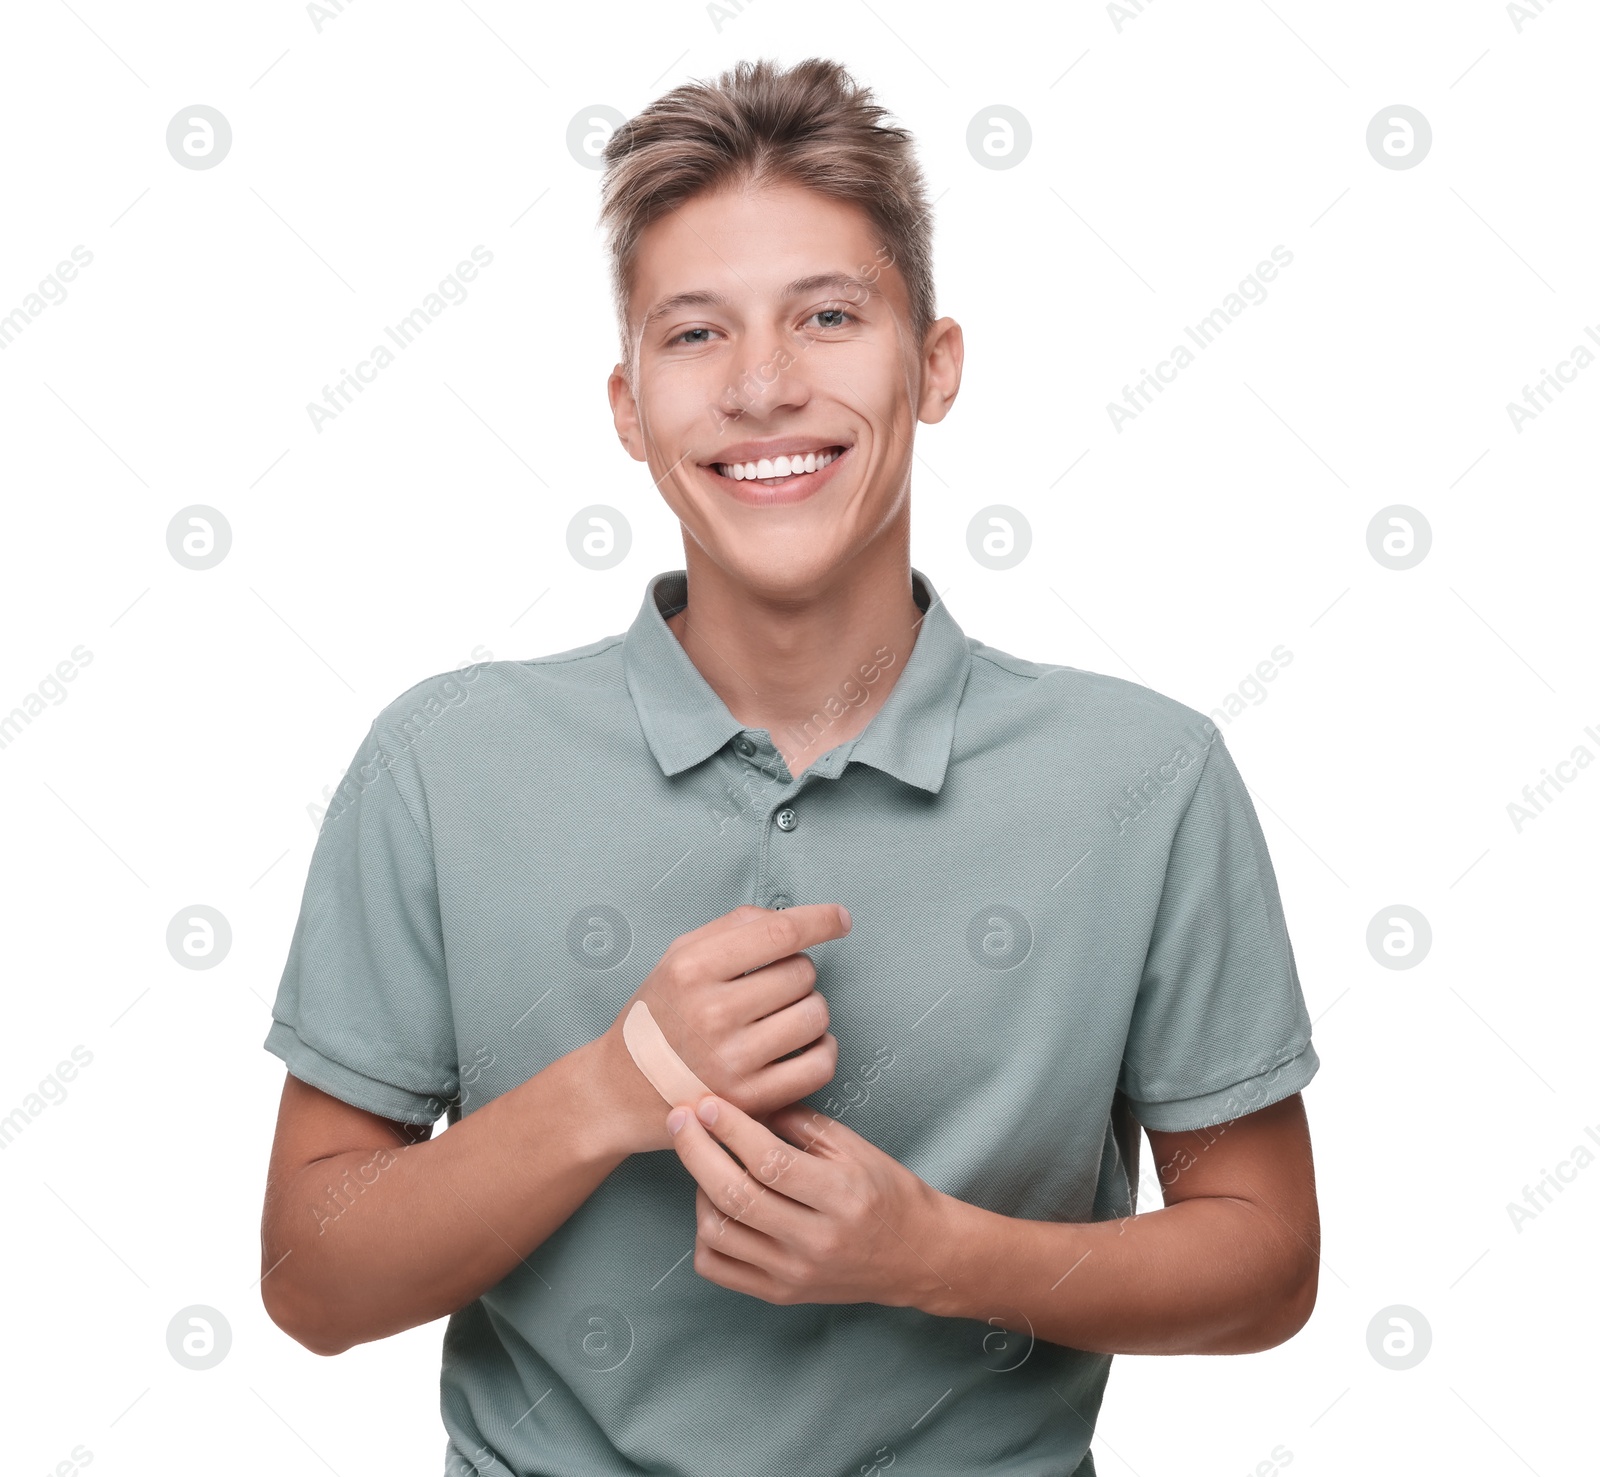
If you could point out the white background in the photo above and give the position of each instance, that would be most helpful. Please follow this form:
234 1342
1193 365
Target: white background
1170 153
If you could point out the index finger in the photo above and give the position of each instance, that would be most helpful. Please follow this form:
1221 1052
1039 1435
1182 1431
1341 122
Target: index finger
720 924
774 935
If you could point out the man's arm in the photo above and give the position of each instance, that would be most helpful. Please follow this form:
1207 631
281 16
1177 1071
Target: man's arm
1229 1266
371 1227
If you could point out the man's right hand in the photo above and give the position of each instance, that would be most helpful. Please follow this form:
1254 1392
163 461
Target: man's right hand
731 997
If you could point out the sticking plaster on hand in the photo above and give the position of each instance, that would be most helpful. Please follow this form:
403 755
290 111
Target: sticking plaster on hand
655 1057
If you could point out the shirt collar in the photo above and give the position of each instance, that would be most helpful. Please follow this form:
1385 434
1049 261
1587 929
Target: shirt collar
684 721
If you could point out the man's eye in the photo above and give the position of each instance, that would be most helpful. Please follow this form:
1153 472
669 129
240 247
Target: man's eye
840 317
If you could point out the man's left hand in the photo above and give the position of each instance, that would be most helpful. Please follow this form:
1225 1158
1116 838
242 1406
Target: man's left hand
819 1216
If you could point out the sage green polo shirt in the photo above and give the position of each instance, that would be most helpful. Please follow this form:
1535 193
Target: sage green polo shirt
1065 921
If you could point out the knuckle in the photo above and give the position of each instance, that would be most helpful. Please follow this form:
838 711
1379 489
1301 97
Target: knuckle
774 1166
715 1018
784 931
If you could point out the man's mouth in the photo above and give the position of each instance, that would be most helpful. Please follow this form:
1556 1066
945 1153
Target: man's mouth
779 471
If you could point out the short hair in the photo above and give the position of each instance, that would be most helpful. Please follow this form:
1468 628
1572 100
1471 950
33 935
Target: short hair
810 125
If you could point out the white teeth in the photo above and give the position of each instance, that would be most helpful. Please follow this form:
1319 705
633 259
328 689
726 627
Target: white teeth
782 466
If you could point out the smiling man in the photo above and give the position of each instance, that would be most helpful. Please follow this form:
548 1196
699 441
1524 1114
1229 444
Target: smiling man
940 929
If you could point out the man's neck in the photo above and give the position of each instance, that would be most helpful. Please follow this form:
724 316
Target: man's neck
812 672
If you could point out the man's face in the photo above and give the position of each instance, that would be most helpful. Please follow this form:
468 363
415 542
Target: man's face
767 324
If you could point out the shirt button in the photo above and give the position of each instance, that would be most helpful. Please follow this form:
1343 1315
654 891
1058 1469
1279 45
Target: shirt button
786 818
744 746
781 900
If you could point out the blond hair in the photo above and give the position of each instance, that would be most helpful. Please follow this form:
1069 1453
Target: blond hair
810 125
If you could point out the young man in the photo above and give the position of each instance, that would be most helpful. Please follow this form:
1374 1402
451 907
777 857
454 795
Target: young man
906 1233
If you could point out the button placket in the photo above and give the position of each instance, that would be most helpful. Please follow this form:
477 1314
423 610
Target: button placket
785 818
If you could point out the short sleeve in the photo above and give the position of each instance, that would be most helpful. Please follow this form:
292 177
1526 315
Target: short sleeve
1219 1028
363 1008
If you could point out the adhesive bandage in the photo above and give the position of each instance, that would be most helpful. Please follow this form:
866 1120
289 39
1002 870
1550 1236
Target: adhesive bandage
663 1066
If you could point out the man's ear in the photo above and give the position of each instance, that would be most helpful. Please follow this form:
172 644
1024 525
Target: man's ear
625 413
941 370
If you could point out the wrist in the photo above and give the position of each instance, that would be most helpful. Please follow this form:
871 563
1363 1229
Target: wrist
615 1098
942 1238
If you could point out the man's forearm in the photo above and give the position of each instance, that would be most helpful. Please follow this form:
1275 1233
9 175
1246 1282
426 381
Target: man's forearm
363 1245
1210 1275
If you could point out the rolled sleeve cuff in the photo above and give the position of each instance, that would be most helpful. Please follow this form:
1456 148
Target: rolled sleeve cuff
1179 1115
346 1083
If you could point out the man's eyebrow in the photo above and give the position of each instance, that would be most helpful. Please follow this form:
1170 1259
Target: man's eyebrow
844 283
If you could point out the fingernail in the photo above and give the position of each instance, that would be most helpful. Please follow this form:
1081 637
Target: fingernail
844 913
708 1111
676 1119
